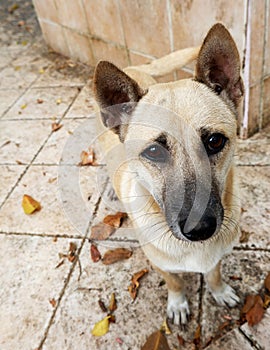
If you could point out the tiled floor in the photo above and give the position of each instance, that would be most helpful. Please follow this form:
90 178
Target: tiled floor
36 161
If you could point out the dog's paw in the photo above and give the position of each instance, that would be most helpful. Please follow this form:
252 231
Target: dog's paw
226 296
177 308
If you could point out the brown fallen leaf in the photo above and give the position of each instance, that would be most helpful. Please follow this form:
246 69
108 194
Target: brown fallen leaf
244 236
197 336
105 229
267 282
72 252
134 286
181 340
53 302
56 126
102 305
253 309
112 305
115 255
156 341
30 205
101 231
95 253
115 220
266 301
39 100
235 278
88 157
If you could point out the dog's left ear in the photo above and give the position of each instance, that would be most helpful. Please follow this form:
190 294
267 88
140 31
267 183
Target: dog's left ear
116 93
218 65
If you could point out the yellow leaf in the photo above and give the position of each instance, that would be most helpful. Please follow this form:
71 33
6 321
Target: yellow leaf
23 106
101 327
30 205
24 42
41 71
58 101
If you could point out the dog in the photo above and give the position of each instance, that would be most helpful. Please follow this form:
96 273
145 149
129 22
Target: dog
169 149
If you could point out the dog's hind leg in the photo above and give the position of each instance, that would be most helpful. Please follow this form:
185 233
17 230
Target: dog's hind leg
221 291
177 306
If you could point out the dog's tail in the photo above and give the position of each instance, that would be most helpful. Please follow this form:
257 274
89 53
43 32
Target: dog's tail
169 63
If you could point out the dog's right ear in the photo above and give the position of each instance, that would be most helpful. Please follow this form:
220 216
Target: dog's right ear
115 93
218 65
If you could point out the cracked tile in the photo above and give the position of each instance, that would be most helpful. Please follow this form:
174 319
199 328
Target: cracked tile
20 140
254 193
251 267
79 310
63 196
9 176
47 103
27 287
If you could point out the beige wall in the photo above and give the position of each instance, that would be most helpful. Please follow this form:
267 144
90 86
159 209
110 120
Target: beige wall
136 31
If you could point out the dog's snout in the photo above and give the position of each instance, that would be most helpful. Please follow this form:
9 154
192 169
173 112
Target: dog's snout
204 229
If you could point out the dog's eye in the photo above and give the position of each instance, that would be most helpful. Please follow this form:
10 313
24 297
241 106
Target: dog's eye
156 153
215 143
218 89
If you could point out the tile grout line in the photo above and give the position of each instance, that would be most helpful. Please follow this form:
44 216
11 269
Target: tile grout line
72 268
37 153
250 341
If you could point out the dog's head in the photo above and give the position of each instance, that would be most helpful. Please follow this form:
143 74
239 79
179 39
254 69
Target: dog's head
180 136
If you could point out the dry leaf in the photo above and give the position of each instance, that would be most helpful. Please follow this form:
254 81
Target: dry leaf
255 314
119 341
115 220
133 287
39 100
165 328
197 336
13 8
267 282
266 302
101 231
87 157
24 106
235 278
112 305
102 305
41 71
114 255
56 126
53 302
253 309
58 101
244 236
30 205
95 253
181 340
101 327
72 251
156 341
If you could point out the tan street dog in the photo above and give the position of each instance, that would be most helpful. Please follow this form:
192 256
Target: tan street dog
169 148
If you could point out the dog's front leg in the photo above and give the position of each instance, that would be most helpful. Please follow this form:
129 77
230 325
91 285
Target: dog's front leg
221 291
177 306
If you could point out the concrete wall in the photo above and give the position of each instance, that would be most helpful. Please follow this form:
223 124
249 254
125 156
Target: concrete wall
136 31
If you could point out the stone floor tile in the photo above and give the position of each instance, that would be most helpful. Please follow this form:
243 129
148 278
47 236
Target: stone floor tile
252 267
29 280
7 98
255 150
66 144
135 321
20 140
64 212
9 176
55 102
12 78
233 340
54 78
83 106
259 334
254 193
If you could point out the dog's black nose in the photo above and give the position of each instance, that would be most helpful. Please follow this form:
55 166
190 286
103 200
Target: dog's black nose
204 229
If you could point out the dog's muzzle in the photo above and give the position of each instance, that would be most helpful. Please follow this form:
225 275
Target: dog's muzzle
204 228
